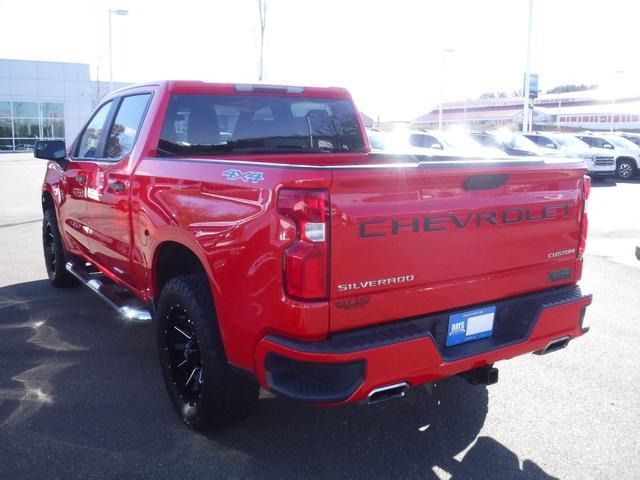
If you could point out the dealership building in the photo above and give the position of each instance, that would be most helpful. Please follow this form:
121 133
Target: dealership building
44 100
572 111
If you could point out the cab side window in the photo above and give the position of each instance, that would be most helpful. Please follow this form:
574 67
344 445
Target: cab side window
90 139
126 125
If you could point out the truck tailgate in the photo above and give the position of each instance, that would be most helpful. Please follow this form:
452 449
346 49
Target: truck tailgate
411 240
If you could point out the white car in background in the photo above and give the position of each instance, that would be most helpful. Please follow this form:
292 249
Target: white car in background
422 142
379 141
632 137
451 142
393 142
600 162
514 144
627 153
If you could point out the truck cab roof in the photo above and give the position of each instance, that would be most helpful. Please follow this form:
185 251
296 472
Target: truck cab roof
212 88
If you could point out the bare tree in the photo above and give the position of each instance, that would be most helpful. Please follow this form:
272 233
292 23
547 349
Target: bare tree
262 10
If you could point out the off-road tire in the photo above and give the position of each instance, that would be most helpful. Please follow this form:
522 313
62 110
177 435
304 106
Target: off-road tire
55 257
223 393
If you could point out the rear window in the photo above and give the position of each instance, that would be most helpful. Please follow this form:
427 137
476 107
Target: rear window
213 124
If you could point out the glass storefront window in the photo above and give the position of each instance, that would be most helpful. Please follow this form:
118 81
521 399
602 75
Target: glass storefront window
5 109
22 123
26 127
25 143
52 128
47 128
25 110
5 128
58 128
52 110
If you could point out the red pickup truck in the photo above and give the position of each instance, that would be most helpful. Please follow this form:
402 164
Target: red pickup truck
271 248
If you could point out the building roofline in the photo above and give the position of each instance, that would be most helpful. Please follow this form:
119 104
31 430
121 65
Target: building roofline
43 61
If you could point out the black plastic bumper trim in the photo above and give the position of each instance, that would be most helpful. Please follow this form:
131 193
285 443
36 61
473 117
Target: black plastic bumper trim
514 322
315 382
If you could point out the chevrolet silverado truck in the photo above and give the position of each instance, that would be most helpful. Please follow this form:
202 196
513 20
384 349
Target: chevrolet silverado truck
268 247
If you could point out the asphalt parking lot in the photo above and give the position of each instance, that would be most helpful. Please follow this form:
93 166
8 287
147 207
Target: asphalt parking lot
81 394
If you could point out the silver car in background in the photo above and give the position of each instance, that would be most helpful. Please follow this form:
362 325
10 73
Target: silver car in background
600 161
627 153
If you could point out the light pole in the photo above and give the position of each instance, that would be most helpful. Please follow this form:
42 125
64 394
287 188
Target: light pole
443 53
613 103
121 12
527 75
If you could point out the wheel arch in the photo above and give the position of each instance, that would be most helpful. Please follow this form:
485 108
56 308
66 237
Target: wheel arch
634 161
173 258
47 201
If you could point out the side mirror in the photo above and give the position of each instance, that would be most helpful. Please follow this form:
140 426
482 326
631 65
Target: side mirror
436 145
549 145
607 145
50 150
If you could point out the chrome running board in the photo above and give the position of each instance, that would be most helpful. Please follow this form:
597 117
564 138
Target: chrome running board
109 295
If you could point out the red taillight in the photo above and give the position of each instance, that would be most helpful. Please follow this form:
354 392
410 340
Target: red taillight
584 220
305 261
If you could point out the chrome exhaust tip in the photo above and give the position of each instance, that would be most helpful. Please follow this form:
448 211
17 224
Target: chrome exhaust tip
387 392
554 345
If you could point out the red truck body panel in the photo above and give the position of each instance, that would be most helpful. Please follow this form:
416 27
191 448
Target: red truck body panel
455 243
390 218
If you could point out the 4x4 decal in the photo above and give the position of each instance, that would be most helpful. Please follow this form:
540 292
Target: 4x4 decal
253 177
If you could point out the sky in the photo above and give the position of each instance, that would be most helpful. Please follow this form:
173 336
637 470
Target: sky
387 53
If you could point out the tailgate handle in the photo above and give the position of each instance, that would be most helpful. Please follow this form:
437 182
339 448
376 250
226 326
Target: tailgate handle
485 182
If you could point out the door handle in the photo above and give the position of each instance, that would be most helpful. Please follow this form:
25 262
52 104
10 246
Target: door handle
81 178
117 186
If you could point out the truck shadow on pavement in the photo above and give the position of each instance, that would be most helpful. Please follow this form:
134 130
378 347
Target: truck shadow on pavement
82 387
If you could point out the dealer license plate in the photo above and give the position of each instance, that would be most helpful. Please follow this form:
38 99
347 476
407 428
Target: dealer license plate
470 325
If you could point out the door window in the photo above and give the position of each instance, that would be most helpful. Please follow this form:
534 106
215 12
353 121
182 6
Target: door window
589 141
545 142
90 139
424 141
600 143
126 125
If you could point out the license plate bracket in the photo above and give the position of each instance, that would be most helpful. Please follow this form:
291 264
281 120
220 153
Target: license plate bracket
470 325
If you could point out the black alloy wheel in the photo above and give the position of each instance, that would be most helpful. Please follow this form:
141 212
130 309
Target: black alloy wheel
49 248
55 257
183 351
